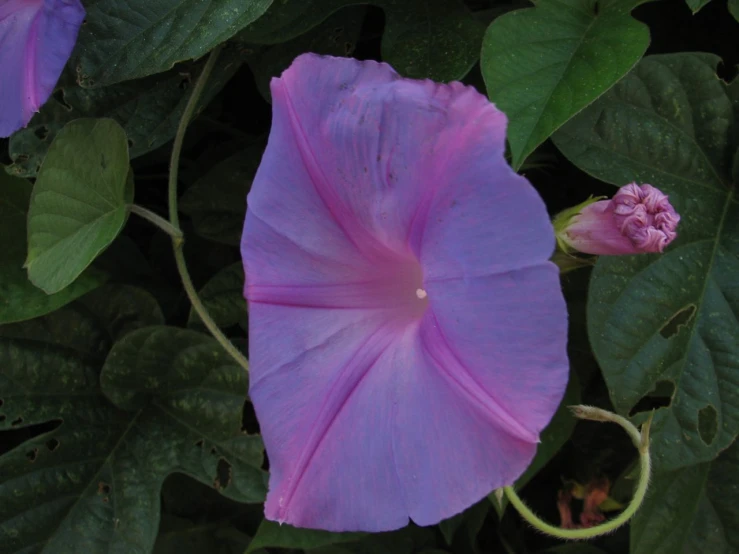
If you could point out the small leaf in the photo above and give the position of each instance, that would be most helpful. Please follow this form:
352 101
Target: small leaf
78 205
124 41
669 123
217 201
223 297
543 65
19 299
93 483
434 39
275 535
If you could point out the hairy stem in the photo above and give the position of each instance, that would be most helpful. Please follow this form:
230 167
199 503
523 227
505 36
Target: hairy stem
640 440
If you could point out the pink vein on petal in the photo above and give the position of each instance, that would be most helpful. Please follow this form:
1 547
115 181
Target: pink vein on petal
457 373
31 102
319 180
330 410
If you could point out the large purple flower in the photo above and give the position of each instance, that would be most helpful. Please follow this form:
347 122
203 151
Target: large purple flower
36 40
407 333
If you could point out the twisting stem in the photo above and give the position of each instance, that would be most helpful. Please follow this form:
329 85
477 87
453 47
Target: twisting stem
174 219
640 440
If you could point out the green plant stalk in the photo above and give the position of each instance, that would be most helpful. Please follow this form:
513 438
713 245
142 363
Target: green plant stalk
174 219
157 220
640 440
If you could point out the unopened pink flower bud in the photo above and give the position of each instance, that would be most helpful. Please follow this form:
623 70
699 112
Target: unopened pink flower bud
638 219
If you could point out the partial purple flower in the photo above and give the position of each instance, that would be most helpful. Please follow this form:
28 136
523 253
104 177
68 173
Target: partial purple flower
638 219
407 331
36 40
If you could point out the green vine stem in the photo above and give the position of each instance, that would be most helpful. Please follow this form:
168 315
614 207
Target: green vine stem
640 440
174 219
157 220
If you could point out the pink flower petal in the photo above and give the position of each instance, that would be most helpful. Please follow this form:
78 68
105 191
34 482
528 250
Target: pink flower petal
36 40
407 334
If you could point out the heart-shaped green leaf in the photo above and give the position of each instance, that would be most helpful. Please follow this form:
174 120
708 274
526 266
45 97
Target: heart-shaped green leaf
543 65
19 299
78 205
669 321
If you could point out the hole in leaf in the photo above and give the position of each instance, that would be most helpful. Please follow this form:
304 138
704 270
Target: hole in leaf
707 424
223 474
130 143
59 97
32 455
199 443
659 397
41 132
1 402
16 422
213 451
52 444
596 8
681 318
103 488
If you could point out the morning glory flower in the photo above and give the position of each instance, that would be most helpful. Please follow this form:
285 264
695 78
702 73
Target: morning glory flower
36 40
407 331
638 219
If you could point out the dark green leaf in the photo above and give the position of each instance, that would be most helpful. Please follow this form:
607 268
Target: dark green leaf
543 65
19 298
123 41
669 319
336 36
694 509
217 201
662 524
92 484
223 297
435 39
272 534
78 205
148 109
